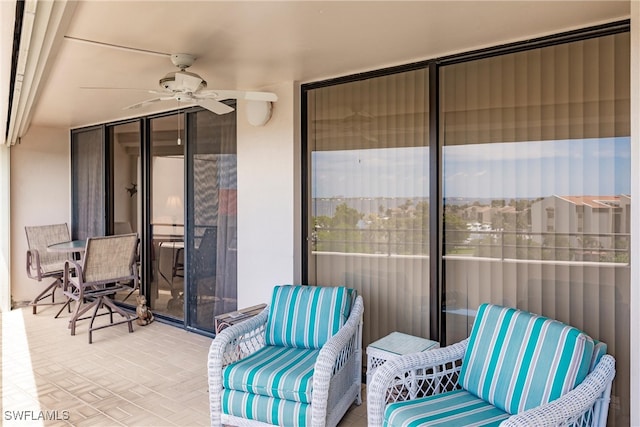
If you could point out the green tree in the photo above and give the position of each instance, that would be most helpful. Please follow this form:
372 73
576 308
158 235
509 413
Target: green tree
455 231
346 216
321 221
343 236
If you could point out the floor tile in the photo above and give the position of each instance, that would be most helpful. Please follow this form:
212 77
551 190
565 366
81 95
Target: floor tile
155 376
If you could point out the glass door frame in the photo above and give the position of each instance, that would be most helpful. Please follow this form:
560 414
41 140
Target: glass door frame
437 284
107 178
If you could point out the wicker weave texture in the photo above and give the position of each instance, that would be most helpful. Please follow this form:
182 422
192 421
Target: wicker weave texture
435 372
336 379
401 378
585 405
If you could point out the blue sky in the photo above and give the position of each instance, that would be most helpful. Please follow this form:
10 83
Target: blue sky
499 170
398 172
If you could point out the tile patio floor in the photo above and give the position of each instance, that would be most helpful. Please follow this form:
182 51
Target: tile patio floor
156 376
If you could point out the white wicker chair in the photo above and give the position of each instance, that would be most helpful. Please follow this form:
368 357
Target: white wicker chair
422 378
336 375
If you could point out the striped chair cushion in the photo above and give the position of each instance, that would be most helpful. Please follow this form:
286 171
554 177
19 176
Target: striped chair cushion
266 409
599 350
516 360
455 408
306 316
281 372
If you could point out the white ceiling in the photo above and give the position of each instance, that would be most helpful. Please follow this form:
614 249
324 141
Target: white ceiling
251 45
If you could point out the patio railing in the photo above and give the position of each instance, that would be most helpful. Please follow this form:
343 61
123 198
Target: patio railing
500 244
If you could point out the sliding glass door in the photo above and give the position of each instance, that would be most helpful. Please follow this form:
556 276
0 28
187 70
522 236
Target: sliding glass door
166 208
527 148
172 178
368 197
536 184
192 209
211 233
125 203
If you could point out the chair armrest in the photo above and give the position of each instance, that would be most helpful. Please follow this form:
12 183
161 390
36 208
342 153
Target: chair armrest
574 404
238 341
334 354
69 267
439 366
33 264
232 344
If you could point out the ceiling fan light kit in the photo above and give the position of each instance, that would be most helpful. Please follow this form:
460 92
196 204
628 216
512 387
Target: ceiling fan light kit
258 112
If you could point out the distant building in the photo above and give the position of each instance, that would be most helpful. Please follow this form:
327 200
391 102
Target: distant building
481 214
487 215
588 221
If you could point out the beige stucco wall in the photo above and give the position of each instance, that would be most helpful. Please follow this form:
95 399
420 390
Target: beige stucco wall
268 193
40 194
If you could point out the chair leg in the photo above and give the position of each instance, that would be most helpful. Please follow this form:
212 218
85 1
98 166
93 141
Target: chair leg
74 317
93 317
111 305
100 302
106 302
79 311
49 291
66 304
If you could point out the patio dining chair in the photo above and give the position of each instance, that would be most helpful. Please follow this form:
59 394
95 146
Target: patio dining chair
108 263
43 264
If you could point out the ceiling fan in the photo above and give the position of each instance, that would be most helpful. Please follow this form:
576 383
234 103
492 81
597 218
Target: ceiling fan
185 86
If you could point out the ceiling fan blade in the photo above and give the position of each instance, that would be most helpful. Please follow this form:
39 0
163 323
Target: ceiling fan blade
137 89
147 102
187 81
240 94
213 105
161 92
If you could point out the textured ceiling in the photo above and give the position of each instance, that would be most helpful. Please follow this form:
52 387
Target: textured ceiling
251 45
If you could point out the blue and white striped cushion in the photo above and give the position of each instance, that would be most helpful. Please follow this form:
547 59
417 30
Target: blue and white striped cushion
281 372
452 409
599 350
306 316
266 409
516 360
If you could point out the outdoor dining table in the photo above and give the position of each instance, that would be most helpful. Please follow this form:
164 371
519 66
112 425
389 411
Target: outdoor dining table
75 246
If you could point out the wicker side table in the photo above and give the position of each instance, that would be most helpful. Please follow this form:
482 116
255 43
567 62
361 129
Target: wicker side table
394 345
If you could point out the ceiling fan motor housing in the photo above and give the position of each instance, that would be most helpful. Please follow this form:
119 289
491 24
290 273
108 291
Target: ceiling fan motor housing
168 82
182 60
